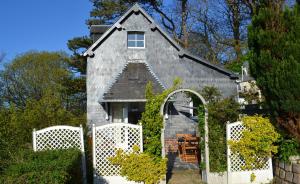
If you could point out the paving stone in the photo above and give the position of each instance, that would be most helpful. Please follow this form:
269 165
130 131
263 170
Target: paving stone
285 182
296 168
277 180
282 173
296 178
288 167
289 176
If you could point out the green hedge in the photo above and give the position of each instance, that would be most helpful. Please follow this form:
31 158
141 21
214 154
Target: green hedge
55 167
219 112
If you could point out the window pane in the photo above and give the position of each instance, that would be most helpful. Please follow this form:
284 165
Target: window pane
131 44
140 43
140 36
131 36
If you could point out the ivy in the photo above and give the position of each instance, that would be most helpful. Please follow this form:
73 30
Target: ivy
220 112
201 127
152 120
257 142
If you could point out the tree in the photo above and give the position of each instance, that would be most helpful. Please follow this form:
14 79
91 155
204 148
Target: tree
219 31
274 43
30 75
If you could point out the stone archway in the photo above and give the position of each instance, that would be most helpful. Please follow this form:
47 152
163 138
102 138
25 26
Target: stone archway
206 151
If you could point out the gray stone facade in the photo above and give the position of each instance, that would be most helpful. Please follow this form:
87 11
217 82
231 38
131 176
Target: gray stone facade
287 173
108 56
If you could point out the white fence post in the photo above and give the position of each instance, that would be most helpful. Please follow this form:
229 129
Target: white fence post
228 154
94 152
34 139
141 139
83 156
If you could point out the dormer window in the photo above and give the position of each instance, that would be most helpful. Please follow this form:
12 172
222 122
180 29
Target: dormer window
136 40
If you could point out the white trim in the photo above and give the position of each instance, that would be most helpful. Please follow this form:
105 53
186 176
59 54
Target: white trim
116 124
136 40
83 156
57 127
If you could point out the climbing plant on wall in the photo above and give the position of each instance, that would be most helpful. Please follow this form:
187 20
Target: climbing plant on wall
201 128
219 112
152 120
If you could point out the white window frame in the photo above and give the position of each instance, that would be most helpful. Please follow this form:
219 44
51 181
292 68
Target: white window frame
136 40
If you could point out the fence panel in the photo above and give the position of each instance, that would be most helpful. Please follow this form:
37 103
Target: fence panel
60 137
106 140
236 173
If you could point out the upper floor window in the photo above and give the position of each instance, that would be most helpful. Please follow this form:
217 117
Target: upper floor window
136 40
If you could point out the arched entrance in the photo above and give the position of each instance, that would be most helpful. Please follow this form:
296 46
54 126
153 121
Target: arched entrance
165 113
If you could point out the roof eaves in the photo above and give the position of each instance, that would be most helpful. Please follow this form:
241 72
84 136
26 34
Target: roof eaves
117 25
182 52
207 63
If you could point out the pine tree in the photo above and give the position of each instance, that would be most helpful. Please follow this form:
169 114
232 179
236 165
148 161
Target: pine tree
274 43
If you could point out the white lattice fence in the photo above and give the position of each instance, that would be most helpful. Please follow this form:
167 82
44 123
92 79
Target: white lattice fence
236 173
60 137
106 140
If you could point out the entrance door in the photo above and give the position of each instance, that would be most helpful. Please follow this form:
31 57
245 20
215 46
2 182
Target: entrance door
119 112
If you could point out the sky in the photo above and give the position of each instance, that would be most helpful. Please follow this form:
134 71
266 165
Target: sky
40 25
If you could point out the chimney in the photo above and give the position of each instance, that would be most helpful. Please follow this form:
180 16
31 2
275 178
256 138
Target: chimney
96 31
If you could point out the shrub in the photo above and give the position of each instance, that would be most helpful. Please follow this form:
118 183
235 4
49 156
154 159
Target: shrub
257 142
287 148
219 112
140 167
60 166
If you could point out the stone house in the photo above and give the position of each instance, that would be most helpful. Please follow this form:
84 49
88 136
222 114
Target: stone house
134 51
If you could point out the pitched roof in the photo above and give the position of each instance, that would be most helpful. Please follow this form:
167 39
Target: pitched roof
182 53
130 85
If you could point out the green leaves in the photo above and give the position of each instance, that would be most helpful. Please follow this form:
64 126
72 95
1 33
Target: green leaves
287 147
152 120
60 166
219 112
36 91
274 43
30 75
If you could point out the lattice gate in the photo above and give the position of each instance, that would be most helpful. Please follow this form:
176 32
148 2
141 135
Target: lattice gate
60 137
236 173
106 140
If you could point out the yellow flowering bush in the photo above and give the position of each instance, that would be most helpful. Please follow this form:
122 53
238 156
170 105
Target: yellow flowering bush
140 167
256 144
